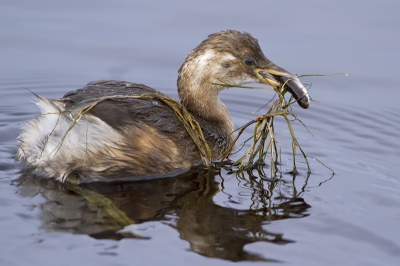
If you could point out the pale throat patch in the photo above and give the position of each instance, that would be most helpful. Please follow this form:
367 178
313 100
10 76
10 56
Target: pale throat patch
228 57
203 60
207 65
210 65
240 79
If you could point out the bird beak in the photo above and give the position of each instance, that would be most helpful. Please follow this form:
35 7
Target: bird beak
280 77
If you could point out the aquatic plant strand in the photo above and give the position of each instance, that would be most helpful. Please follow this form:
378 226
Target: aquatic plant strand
185 117
119 217
263 143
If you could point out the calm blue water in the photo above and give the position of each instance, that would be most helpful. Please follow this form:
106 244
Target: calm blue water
352 218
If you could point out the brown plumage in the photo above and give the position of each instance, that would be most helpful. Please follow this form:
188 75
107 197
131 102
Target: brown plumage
136 137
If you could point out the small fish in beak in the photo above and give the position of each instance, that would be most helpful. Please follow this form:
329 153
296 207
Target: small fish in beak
291 82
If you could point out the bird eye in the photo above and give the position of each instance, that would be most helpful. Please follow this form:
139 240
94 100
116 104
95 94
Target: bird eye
249 61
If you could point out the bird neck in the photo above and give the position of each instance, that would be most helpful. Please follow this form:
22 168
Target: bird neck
202 100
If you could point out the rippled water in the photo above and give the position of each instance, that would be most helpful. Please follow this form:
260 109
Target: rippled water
198 218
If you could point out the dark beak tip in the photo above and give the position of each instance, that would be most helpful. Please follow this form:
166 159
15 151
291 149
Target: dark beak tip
304 102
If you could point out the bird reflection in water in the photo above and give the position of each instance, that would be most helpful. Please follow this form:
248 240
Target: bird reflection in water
184 202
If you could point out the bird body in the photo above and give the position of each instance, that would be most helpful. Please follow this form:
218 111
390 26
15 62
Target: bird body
130 135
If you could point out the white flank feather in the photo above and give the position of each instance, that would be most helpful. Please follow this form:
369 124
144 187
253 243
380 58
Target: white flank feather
46 143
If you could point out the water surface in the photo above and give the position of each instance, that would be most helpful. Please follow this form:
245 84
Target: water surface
212 218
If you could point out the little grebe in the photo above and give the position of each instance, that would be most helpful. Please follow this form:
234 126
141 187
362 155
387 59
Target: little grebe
137 137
